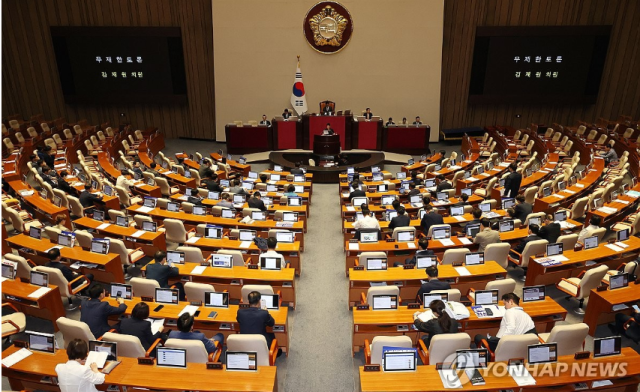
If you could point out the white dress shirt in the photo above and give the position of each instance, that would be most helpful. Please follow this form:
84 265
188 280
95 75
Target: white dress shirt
124 182
74 377
368 222
587 232
515 322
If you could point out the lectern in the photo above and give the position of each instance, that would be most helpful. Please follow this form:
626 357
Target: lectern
326 144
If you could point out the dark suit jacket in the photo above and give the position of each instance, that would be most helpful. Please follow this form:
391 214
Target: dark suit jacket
296 170
368 115
255 321
357 193
443 185
522 211
286 115
512 184
67 272
520 247
414 192
141 329
208 344
87 199
550 232
432 328
256 203
213 186
400 221
433 284
66 188
427 252
139 171
430 219
266 122
95 313
161 273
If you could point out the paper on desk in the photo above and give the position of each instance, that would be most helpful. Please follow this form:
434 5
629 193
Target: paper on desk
449 379
602 383
138 233
345 194
191 309
192 240
464 240
619 307
411 245
245 244
40 292
504 164
521 375
614 248
16 357
103 226
198 270
621 201
144 209
459 218
426 316
462 271
155 324
446 242
354 246
351 208
569 192
2 279
608 210
472 179
99 357
622 245
454 167
580 185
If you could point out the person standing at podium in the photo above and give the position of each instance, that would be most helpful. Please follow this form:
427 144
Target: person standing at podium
328 131
265 121
417 122
367 114
286 114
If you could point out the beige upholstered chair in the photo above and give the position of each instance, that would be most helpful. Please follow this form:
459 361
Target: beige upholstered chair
364 256
144 287
176 233
513 346
196 352
453 294
498 253
13 323
579 208
23 271
64 286
531 249
238 258
430 232
127 256
442 346
454 256
195 291
254 343
570 337
84 239
568 241
398 230
261 288
378 290
580 287
373 351
192 254
128 345
629 267
72 329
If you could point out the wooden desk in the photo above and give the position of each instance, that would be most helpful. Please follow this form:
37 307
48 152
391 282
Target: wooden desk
420 165
244 169
109 267
149 242
624 205
409 280
536 178
449 172
248 139
43 210
368 324
537 274
600 304
48 306
427 379
28 373
225 321
483 179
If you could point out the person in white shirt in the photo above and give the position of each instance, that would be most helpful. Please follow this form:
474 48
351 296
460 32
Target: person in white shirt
75 375
367 221
594 224
123 181
514 322
272 242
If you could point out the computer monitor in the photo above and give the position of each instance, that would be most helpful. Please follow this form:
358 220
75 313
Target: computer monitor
252 175
377 264
387 200
191 192
437 168
427 298
270 263
375 169
270 301
294 201
221 260
121 290
174 169
604 347
485 207
560 215
501 182
8 271
298 178
401 176
441 233
506 225
359 201
150 202
489 166
480 169
466 175
536 220
173 207
472 229
108 190
187 173
622 235
466 191
471 359
275 177
242 361
442 196
486 297
457 211
151 182
39 278
289 216
298 188
98 215
171 357
546 191
542 353
528 172
224 183
277 168
216 300
175 257
248 185
384 302
383 188
474 258
429 183
267 200
239 199
390 214
562 185
508 203
101 346
122 221
286 237
213 195
406 236
66 240
258 215
149 226
400 360
533 293
199 210
415 199
246 235
425 261
555 249
368 236
35 232
227 213
57 201
618 281
167 296
40 341
100 246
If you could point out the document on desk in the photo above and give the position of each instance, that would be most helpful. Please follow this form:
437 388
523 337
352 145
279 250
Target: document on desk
345 194
464 240
155 324
446 242
16 357
472 179
614 248
521 375
619 307
454 167
621 245
459 218
99 357
144 209
411 245
138 233
426 316
198 270
103 226
40 292
449 379
245 244
351 208
579 185
192 240
621 201
608 210
354 246
191 309
462 271
140 185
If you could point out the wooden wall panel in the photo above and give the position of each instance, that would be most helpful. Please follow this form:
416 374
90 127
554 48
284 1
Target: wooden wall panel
30 83
620 86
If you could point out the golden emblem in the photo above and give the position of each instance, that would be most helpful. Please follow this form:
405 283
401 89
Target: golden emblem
328 26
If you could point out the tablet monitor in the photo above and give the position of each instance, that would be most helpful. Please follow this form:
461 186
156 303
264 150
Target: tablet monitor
542 353
248 185
384 302
441 233
298 178
622 235
351 170
536 220
377 177
421 213
489 166
406 236
508 203
533 293
277 168
246 235
376 264
560 215
272 188
149 226
466 175
437 168
471 359
506 225
501 182
150 182
415 199
150 202
359 201
108 190
43 342
171 357
591 242
400 360
466 191
528 172
35 232
252 174
121 290
618 281
94 184
275 177
457 211
401 175
375 169
165 165
480 169
242 361
65 240
190 192
100 246
8 271
39 278
187 173
175 257
199 210
485 207
221 260
604 347
57 201
474 258
101 346
425 261
546 191
472 229
486 297
298 188
224 183
555 249
294 201
270 263
286 237
390 214
167 296
387 200
239 199
174 169
368 236
267 200
258 215
227 213
216 300
289 216
213 195
442 196
122 221
98 215
383 188
562 185
429 183
427 298
173 207
270 301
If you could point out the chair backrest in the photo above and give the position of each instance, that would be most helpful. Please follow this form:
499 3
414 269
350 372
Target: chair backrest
534 215
191 254
403 229
568 241
63 197
247 211
73 329
430 233
364 256
196 352
24 269
164 185
16 220
141 218
117 246
548 133
144 287
84 238
195 291
175 230
238 260
579 207
504 286
248 288
498 253
128 345
379 342
514 346
530 194
454 294
252 343
123 196
531 249
600 232
56 278
570 337
591 280
454 255
445 344
381 290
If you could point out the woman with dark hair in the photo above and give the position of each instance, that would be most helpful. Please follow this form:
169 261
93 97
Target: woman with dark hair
74 376
138 326
441 323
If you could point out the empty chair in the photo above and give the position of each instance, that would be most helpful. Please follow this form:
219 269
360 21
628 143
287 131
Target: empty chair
165 189
254 343
176 233
12 323
629 267
195 291
23 271
364 256
191 254
600 232
498 253
373 351
125 199
442 346
72 329
84 239
570 338
504 286
144 287
64 286
568 241
454 256
580 287
196 352
530 194
579 208
127 256
378 290
18 224
511 346
486 192
452 294
129 346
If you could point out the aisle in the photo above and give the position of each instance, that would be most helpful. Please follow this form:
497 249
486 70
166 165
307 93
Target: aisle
320 358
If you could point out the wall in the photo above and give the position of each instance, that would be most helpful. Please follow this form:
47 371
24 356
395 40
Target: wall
30 83
392 63
621 78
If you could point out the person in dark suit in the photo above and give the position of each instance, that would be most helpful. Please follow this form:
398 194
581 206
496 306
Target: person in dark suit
265 121
633 332
204 167
327 109
401 220
522 209
286 114
95 313
254 320
551 230
152 169
49 177
477 215
55 261
161 272
415 179
137 168
390 122
64 186
417 122
367 114
211 183
256 202
423 243
533 236
430 218
297 170
138 326
87 199
462 201
513 181
432 283
443 323
185 331
443 184
357 192
328 130
412 190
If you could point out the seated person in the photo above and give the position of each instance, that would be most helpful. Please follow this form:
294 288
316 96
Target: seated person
161 272
551 230
185 331
522 209
609 154
594 224
486 235
297 169
417 122
210 181
514 322
226 201
430 218
87 199
462 200
415 179
254 320
137 168
152 169
367 221
390 122
477 214
443 184
442 324
55 261
138 326
532 236
264 178
401 220
124 181
327 111
423 243
291 191
95 313
432 283
412 189
204 167
367 114
64 186
264 121
237 187
404 121
357 190
256 202
286 114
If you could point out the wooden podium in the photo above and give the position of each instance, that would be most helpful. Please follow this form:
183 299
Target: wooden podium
326 144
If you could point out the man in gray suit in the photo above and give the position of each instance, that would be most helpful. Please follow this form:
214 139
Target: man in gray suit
486 236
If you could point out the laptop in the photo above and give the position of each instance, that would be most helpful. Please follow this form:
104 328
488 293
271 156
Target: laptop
98 215
150 202
542 353
375 169
248 185
560 216
252 175
239 199
472 229
175 257
535 221
65 240
267 200
272 188
123 291
400 360
406 236
359 201
384 302
591 242
474 258
275 177
242 361
286 237
191 192
485 207
35 232
427 298
618 281
39 278
294 201
167 296
382 188
298 188
390 214
401 176
173 207
199 210
376 264
429 183
506 225
289 216
604 347
298 178
43 342
57 201
387 200
377 177
533 293
171 357
270 263
466 191
216 300
224 183
425 261
149 226
441 233
457 211
246 235
221 260
442 196
270 301
259 215
100 246
554 249
277 168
